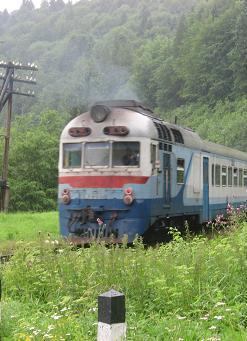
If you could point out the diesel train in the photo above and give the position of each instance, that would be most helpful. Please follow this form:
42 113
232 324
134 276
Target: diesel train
123 171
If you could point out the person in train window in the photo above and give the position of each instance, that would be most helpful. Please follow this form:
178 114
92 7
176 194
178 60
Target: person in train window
130 158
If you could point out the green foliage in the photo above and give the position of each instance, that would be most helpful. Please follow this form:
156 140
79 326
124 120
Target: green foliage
117 47
70 42
147 70
185 289
205 61
205 65
239 53
33 161
175 57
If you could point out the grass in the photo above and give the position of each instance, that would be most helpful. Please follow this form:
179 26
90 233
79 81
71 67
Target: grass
26 226
185 290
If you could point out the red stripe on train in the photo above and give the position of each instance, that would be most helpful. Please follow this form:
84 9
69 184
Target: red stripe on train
101 181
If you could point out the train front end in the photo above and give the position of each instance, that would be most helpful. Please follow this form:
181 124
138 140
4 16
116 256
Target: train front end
105 175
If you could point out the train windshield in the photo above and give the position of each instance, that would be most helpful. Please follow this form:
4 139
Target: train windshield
72 155
125 154
97 154
101 154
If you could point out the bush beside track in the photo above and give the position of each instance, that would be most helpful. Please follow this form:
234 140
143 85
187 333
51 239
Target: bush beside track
188 289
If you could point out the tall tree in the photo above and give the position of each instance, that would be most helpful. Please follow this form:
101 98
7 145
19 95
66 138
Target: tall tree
56 5
27 5
33 161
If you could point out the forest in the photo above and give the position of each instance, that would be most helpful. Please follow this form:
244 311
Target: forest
184 59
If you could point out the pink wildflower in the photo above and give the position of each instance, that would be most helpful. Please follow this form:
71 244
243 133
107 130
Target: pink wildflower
99 221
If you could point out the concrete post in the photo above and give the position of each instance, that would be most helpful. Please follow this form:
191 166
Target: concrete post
111 316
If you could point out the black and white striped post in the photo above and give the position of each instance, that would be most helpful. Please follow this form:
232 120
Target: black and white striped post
111 316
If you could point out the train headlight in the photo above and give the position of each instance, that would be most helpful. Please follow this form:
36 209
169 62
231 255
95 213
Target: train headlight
128 199
128 191
128 196
66 198
99 112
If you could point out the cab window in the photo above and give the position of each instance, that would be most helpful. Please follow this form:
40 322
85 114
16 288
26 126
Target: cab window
153 155
126 154
72 155
97 154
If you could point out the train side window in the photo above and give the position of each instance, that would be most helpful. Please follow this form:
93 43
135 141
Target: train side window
245 177
217 175
235 177
229 176
126 154
180 171
213 175
223 176
153 155
72 155
240 177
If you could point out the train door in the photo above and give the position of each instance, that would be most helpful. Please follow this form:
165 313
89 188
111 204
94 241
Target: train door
205 204
167 178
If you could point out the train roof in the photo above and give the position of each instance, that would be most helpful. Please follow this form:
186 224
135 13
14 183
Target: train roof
142 122
129 104
185 136
193 140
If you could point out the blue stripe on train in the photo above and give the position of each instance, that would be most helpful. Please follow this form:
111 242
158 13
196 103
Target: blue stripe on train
131 220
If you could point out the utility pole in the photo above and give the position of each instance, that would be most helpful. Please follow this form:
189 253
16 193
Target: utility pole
6 96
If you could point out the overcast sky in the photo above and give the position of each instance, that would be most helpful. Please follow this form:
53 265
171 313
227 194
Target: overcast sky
12 5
